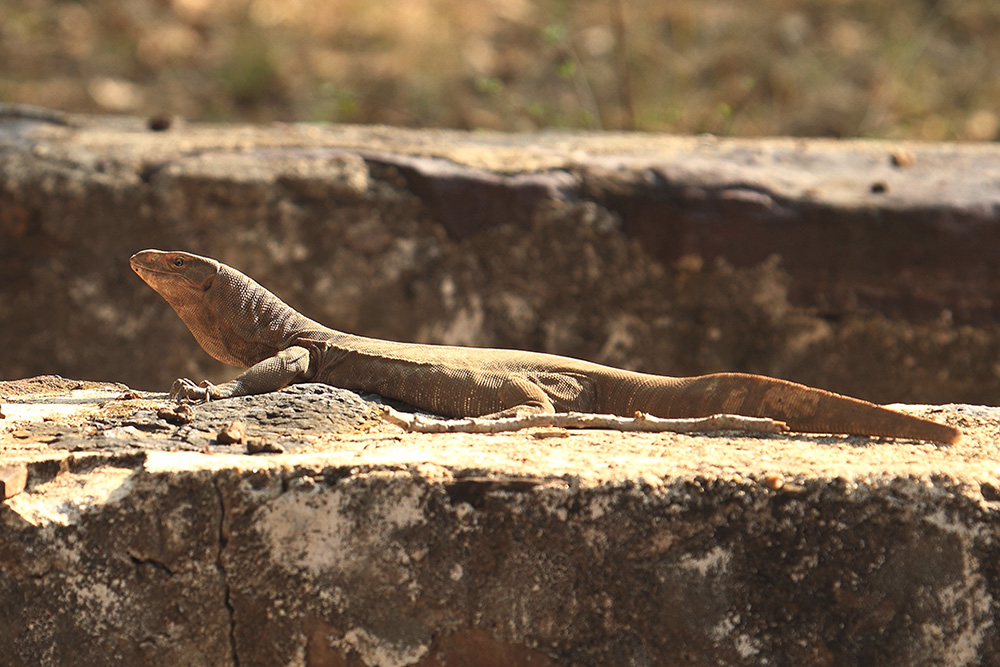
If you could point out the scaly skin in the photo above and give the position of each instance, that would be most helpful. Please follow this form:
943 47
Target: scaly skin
239 322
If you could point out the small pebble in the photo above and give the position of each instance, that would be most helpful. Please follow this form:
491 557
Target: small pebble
258 446
176 414
902 158
232 433
159 123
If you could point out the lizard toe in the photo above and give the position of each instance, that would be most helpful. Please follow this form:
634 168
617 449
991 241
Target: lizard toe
185 390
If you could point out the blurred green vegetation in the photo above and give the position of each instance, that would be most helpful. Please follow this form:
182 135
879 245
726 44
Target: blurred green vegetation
921 69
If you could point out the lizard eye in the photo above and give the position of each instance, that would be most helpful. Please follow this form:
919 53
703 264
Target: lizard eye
179 262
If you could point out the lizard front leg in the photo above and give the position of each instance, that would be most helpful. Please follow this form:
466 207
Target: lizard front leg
269 375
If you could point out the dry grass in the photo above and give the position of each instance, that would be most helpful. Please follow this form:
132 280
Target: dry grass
891 68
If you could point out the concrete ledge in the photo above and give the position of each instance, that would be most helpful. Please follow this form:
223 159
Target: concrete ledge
369 546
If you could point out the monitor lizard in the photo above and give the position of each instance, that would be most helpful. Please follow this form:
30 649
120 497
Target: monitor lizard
237 321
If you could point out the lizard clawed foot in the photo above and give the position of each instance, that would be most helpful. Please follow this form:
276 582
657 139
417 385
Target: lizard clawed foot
184 389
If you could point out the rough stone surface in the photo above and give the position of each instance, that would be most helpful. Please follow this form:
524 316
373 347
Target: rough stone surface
825 262
367 546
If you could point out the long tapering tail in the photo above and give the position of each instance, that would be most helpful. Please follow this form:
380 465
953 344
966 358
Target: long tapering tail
803 408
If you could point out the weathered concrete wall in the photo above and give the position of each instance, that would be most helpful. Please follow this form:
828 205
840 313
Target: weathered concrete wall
176 561
865 267
142 542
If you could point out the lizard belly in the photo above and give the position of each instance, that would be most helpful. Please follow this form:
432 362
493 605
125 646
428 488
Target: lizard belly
462 392
457 388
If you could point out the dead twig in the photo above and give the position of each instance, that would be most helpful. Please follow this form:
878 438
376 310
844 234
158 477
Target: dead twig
640 423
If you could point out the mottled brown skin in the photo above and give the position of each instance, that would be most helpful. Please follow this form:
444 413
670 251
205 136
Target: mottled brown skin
239 322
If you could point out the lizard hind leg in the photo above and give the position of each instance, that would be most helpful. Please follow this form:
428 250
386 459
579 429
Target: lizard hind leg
546 393
522 398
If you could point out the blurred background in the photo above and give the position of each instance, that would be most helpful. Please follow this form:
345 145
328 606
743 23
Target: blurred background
917 69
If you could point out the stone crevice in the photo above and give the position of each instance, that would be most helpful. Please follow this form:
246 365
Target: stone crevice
139 561
220 566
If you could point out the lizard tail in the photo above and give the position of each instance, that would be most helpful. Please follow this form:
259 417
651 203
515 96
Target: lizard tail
803 408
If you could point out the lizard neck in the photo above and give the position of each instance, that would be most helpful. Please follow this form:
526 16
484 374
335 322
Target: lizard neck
239 322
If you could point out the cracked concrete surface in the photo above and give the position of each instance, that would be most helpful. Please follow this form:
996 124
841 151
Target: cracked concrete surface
221 565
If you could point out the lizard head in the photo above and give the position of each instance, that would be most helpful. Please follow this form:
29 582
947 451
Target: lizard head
175 275
186 282
233 318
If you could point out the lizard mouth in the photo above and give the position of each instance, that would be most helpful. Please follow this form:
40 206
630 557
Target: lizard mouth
140 263
172 271
149 274
145 269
